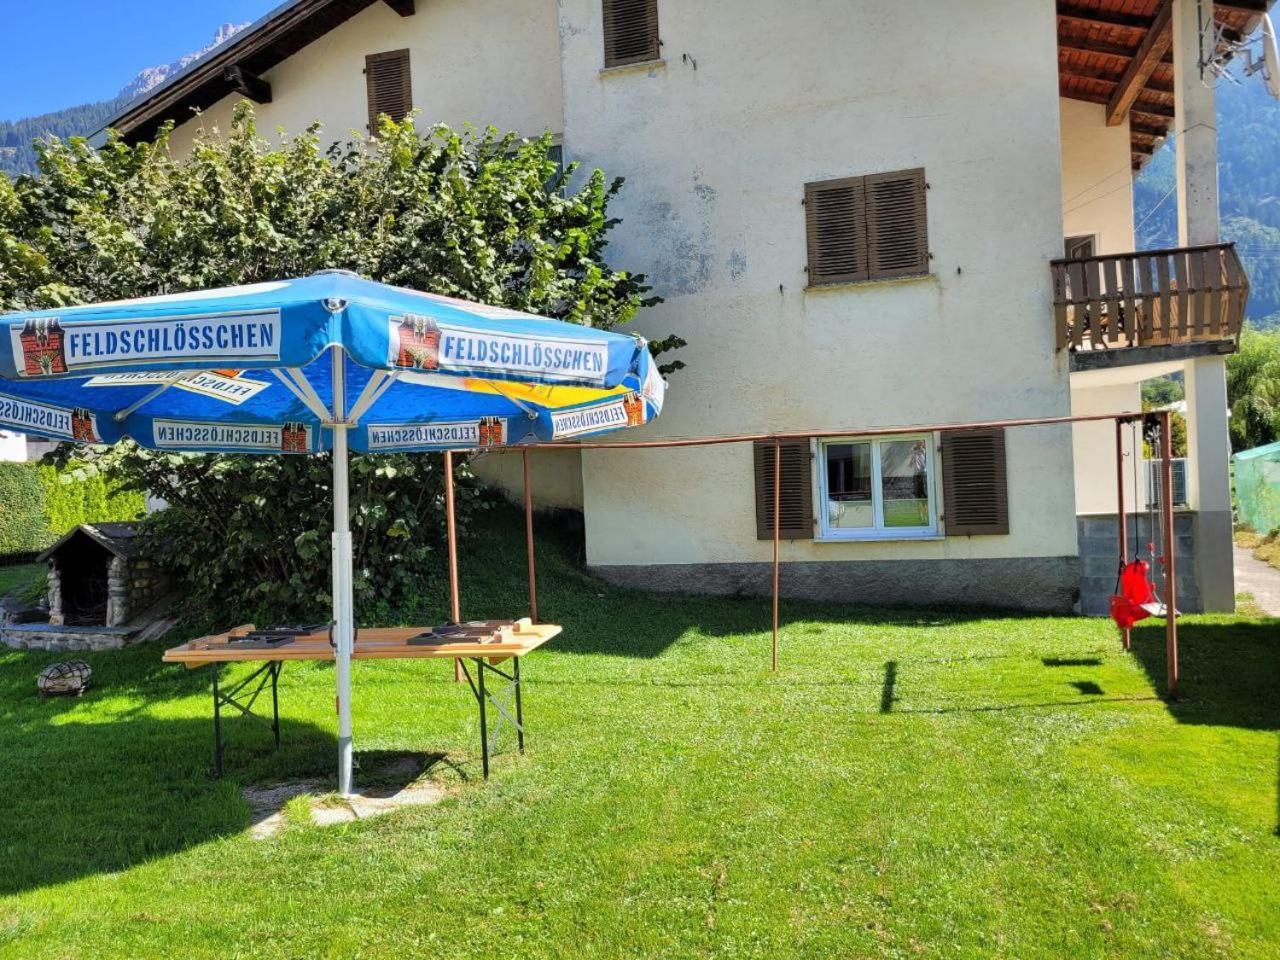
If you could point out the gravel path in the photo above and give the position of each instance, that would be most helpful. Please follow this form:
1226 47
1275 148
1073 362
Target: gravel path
1258 578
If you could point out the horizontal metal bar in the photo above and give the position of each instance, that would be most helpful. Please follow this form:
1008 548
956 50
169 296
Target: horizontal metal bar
814 434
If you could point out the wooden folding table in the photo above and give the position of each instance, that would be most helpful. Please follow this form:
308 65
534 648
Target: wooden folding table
485 644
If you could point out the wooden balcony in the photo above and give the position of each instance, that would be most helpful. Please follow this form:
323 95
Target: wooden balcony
1184 295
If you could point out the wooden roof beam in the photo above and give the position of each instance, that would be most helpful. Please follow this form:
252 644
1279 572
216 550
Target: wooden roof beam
403 7
1101 48
1154 46
1093 17
1150 126
1150 110
248 84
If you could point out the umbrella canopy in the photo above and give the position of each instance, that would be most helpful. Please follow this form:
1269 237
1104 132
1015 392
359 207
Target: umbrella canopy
326 362
248 370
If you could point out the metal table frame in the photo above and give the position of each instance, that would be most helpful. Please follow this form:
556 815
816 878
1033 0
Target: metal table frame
269 672
507 696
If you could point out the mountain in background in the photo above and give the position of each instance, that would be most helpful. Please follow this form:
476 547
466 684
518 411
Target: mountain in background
1249 191
17 155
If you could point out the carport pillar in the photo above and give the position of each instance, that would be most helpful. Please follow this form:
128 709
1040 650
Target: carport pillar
343 601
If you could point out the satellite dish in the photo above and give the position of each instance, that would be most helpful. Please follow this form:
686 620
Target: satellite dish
1270 57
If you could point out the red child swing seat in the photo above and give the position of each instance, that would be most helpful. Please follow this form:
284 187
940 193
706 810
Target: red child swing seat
1136 596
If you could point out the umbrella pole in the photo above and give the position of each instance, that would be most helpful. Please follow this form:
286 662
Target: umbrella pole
342 591
455 606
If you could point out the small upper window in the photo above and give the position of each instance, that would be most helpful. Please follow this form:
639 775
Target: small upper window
388 85
877 488
867 228
630 32
1079 248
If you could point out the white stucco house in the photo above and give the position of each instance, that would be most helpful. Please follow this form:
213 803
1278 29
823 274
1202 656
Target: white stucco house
866 200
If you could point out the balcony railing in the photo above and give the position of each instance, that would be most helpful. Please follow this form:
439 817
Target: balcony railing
1154 297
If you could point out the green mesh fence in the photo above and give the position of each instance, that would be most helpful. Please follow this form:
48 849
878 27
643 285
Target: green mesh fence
1258 487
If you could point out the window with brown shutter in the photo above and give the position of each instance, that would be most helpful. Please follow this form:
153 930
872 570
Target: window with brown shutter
974 483
867 228
630 32
796 490
387 82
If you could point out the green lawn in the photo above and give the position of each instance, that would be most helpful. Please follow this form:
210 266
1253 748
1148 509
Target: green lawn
22 580
910 784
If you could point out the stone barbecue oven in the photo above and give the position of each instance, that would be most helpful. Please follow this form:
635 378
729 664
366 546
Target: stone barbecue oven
96 578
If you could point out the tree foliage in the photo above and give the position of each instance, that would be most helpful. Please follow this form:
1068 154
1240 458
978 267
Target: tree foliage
18 137
1253 389
472 214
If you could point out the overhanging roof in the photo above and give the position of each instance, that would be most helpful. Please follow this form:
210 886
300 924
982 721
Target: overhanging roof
237 65
1118 53
116 538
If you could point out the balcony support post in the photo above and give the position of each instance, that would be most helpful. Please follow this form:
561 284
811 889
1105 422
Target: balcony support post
1195 123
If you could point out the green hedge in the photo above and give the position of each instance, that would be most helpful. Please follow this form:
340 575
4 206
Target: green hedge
39 503
23 524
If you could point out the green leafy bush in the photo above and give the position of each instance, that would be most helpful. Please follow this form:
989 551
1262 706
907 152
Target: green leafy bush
249 537
22 519
477 215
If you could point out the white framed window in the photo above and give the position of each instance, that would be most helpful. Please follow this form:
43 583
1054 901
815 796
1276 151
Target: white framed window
877 488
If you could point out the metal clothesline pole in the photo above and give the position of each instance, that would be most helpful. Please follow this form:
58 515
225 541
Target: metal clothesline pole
1170 559
528 536
1117 418
812 434
1126 634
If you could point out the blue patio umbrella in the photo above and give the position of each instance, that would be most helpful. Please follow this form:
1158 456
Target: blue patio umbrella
327 362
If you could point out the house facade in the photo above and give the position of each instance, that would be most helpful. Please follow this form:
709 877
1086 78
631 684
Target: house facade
859 215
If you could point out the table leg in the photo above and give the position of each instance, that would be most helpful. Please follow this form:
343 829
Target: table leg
484 726
217 725
515 661
275 700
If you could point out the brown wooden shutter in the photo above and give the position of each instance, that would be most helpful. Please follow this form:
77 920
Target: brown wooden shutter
836 227
975 490
796 500
387 82
630 32
897 226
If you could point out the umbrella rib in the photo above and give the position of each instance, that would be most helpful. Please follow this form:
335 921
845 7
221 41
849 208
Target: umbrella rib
120 415
378 384
316 408
305 386
529 411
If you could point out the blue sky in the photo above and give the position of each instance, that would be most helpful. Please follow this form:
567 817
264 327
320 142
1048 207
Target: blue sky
59 53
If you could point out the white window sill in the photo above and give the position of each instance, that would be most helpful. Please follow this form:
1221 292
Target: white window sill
879 537
877 282
641 66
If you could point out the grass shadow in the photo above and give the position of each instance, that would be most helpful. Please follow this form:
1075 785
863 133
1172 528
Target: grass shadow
1229 671
1229 674
89 798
